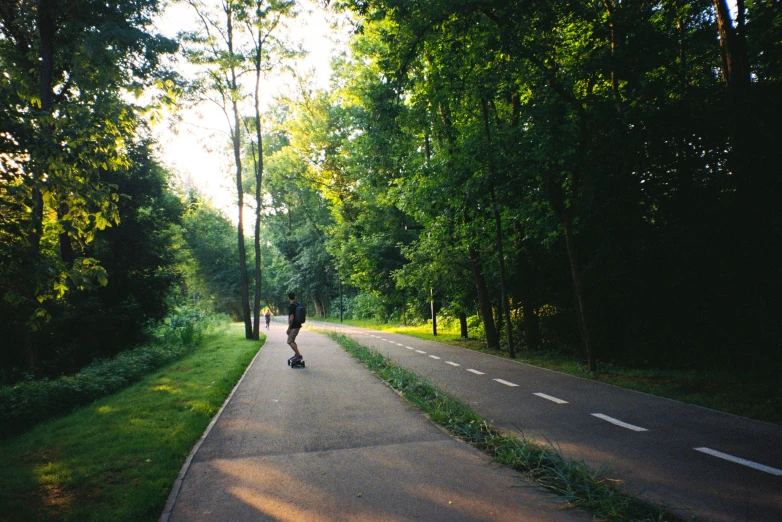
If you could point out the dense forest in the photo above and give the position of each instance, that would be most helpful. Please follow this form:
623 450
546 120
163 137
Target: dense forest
594 177
598 178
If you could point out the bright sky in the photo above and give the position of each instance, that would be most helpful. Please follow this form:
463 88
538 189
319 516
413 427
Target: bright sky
197 148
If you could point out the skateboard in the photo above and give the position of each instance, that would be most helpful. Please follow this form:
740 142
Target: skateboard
294 364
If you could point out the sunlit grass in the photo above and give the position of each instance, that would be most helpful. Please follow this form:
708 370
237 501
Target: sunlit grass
117 458
741 393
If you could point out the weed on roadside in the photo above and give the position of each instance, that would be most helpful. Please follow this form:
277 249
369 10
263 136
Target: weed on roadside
582 487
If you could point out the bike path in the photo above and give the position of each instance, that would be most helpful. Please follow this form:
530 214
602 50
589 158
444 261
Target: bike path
662 449
332 442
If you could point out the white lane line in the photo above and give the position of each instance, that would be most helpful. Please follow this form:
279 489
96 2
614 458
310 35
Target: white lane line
452 363
618 422
737 460
384 339
434 357
550 398
506 383
476 372
409 347
399 344
420 351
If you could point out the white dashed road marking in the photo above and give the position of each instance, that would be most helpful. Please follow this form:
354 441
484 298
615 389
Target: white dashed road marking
506 383
737 460
550 398
451 363
409 347
618 422
420 351
434 357
476 372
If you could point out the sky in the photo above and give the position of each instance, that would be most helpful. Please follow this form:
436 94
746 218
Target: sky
195 146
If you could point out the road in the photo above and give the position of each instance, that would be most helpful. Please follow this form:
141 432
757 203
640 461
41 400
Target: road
699 462
332 442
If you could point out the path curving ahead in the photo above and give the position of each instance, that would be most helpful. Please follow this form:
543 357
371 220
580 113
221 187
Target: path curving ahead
332 442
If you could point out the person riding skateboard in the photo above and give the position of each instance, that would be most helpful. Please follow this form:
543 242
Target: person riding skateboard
293 326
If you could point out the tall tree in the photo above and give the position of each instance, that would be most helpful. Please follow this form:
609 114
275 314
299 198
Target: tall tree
217 48
69 62
262 20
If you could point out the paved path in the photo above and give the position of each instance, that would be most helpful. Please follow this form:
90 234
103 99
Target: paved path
698 461
332 442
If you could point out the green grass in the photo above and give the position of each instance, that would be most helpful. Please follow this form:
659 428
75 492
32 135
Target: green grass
746 394
591 490
117 458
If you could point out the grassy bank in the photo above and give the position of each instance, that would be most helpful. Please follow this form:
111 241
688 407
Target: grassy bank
745 394
117 458
587 489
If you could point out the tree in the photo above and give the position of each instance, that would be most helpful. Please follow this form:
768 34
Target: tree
68 64
235 39
262 20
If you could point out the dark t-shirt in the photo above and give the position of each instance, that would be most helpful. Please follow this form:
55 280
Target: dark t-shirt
292 312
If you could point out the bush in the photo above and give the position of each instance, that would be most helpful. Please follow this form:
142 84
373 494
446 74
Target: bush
29 402
369 306
347 308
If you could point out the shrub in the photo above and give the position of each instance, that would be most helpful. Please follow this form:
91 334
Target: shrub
31 401
369 306
347 308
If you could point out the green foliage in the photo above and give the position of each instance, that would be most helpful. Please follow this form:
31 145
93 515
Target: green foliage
118 283
602 144
29 402
213 271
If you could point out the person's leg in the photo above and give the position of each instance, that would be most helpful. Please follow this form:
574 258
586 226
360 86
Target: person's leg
292 342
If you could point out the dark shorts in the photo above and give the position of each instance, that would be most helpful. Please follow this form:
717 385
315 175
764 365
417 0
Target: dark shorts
293 334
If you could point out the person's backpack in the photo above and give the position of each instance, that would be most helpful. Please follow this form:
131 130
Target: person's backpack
301 313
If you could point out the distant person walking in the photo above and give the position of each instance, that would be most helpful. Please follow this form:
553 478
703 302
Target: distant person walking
268 316
293 326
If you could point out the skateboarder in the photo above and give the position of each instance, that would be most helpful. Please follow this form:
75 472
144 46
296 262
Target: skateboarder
293 327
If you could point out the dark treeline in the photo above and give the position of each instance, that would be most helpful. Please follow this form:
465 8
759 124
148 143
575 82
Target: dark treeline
602 176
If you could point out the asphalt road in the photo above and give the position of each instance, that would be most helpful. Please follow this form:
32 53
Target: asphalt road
332 442
700 462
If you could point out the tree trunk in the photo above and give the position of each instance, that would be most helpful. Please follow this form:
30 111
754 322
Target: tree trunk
613 39
258 183
236 136
66 248
434 315
463 325
578 293
498 233
317 304
257 244
492 339
531 326
47 30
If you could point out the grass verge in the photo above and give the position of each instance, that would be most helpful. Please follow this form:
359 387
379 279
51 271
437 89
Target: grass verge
587 489
117 458
744 393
